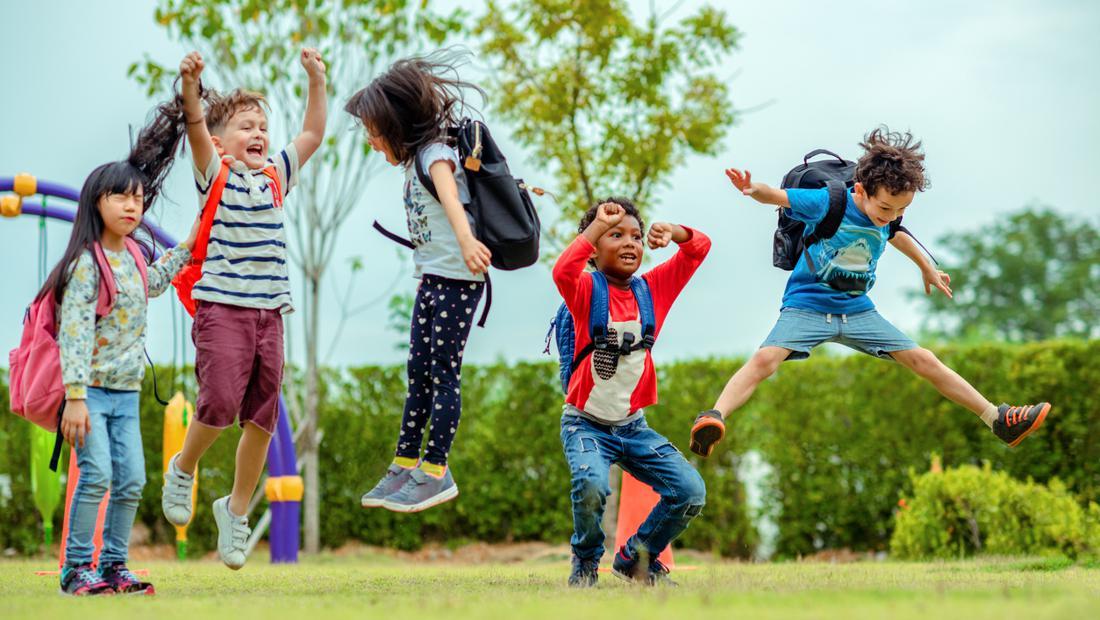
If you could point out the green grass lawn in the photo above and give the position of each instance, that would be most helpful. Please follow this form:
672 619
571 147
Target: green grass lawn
379 588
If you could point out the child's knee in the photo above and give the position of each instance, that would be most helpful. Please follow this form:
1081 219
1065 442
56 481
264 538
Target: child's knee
128 485
695 494
921 361
766 361
93 483
590 492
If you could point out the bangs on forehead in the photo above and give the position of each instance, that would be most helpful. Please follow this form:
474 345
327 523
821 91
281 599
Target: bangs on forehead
122 178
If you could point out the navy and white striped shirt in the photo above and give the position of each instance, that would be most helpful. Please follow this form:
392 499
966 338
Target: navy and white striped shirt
246 258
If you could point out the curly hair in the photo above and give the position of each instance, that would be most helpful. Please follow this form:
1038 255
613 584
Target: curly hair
625 203
891 160
221 108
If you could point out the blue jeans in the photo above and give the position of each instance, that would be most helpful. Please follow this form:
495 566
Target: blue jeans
801 330
591 448
112 456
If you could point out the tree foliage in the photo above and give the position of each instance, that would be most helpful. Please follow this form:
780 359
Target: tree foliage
612 105
1031 275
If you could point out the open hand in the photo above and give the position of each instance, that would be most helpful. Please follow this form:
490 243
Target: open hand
938 279
741 180
312 62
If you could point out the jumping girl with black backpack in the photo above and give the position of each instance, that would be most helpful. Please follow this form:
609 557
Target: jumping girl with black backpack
465 212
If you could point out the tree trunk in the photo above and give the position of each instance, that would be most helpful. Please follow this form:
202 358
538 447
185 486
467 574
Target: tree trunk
309 435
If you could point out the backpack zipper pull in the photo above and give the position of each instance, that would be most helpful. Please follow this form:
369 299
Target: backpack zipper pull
473 161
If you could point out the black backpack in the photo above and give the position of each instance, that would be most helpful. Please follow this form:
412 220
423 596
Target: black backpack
504 217
838 175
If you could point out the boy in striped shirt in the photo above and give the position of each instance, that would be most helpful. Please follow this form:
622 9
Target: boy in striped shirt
244 289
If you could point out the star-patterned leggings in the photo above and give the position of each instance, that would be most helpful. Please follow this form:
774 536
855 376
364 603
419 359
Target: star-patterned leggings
442 316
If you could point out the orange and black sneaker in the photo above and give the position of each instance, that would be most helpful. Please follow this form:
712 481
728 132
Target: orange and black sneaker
708 430
1013 424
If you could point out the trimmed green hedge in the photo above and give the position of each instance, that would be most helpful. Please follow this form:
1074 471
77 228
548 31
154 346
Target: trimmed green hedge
840 434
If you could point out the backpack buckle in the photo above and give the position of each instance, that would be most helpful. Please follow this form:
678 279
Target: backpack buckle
628 344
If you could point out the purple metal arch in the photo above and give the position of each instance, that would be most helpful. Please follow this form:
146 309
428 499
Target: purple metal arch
281 458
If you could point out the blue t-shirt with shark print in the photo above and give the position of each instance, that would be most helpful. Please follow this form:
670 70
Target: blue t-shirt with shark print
841 268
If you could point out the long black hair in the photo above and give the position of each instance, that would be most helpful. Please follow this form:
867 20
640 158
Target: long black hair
145 168
411 104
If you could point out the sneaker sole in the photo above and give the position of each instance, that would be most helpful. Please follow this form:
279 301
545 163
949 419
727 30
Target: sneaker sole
1034 427
435 500
372 503
705 434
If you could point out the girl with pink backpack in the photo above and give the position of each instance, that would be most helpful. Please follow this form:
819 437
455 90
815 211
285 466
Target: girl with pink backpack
85 335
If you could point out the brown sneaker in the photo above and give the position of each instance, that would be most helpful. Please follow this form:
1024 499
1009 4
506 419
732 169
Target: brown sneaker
1013 424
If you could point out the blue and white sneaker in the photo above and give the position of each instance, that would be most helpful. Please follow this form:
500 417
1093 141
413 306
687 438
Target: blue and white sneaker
395 478
422 491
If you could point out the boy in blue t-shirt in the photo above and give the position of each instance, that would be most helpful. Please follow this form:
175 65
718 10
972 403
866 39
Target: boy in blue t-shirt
826 295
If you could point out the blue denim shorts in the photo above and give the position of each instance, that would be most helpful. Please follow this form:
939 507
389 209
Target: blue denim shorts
801 330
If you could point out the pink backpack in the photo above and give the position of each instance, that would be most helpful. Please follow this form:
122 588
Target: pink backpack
37 392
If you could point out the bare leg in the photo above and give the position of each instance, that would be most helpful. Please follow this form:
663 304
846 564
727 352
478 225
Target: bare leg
742 384
251 456
198 440
947 381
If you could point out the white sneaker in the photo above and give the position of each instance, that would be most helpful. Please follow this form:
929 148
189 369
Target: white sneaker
233 533
175 495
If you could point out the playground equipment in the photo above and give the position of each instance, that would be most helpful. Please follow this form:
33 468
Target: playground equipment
177 415
283 488
45 484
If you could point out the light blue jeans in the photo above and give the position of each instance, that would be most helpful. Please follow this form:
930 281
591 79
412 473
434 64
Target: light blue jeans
112 457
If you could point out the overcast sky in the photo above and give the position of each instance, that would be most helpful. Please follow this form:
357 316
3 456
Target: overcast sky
1004 94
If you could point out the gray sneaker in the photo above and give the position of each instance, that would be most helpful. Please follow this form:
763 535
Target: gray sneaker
233 533
395 478
421 492
175 495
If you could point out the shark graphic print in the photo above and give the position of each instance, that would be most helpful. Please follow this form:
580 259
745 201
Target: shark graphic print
834 275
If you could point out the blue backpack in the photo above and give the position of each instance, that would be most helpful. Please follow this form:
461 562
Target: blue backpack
561 328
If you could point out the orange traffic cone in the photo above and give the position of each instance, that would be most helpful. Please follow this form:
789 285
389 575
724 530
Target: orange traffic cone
636 500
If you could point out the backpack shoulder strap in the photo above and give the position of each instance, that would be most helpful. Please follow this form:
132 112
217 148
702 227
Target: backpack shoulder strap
640 288
425 178
139 259
108 288
598 309
597 319
276 189
209 210
827 227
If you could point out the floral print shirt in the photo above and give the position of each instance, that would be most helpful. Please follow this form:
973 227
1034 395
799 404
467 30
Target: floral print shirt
110 352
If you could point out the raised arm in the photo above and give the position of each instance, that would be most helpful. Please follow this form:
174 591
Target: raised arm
929 273
757 191
313 127
198 136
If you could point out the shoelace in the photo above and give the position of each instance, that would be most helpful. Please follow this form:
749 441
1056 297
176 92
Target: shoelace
1015 415
122 573
88 577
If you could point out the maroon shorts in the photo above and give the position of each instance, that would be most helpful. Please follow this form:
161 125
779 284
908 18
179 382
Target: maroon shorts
238 364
